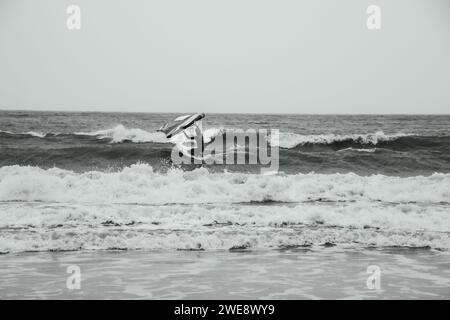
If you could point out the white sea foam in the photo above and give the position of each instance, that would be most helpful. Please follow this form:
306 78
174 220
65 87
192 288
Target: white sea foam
30 133
291 140
35 134
407 217
57 209
140 184
371 150
287 140
119 134
71 227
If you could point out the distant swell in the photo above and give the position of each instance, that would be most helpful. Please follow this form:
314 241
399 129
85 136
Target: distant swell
287 140
397 154
400 143
117 134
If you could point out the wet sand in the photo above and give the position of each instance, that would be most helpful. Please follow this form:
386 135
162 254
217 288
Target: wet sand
319 273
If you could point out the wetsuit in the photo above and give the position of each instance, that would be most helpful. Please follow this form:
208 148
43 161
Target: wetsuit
198 145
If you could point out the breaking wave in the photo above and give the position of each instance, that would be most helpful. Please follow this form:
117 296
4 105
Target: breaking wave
139 183
49 226
291 140
287 140
121 134
29 133
138 208
118 147
118 134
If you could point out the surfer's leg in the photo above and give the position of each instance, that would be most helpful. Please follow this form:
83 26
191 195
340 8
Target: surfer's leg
192 155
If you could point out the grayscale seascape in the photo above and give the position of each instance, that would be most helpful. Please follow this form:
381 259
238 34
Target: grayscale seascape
351 191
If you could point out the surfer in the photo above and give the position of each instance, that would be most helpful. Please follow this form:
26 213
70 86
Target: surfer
182 123
200 144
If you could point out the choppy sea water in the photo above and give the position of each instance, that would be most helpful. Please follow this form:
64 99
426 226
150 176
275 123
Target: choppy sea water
89 182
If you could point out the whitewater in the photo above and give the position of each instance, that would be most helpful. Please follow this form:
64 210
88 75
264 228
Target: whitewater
287 140
138 208
106 182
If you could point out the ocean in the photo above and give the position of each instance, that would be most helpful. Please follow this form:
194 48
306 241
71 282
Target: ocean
101 187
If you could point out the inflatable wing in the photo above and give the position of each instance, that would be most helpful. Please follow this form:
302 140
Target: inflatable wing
180 124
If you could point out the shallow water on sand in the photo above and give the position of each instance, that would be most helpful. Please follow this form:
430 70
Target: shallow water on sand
309 273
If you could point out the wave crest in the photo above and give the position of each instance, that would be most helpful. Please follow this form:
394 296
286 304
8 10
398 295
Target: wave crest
140 184
138 208
120 134
290 140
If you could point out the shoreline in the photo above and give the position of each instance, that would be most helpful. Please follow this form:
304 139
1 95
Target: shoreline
302 273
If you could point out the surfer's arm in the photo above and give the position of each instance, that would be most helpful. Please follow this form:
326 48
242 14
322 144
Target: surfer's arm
184 132
210 141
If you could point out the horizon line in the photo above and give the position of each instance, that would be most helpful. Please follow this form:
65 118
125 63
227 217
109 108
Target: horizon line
249 113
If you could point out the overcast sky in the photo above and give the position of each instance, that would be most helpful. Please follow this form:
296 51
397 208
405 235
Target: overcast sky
256 56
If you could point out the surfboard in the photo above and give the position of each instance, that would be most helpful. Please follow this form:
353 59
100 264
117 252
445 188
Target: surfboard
180 124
